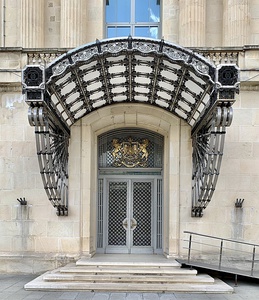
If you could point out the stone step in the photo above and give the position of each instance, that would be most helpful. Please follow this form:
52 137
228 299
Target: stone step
115 278
217 287
132 264
126 270
126 273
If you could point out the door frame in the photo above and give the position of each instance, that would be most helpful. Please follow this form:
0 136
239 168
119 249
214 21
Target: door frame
129 247
105 194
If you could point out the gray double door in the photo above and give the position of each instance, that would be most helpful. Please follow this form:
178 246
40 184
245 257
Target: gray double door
129 216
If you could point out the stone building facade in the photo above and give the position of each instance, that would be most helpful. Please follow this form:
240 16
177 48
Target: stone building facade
33 237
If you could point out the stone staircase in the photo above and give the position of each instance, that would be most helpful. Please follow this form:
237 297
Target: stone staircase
128 273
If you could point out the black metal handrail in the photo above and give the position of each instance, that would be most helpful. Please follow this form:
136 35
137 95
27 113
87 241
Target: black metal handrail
221 248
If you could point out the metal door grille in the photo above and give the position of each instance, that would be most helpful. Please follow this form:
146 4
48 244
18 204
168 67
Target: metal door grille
159 214
100 215
117 213
142 212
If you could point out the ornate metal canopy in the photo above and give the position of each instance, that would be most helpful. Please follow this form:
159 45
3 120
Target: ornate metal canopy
130 70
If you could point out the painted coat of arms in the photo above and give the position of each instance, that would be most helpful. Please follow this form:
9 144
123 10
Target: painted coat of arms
130 154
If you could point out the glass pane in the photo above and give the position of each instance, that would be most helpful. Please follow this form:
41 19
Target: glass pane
116 31
123 10
147 31
123 31
118 11
110 11
111 32
147 11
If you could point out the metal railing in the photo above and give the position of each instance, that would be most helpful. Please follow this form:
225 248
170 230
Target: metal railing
221 254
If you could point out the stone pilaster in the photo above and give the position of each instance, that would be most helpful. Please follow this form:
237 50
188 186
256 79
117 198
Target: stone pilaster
170 22
1 25
95 12
72 23
192 23
235 22
32 23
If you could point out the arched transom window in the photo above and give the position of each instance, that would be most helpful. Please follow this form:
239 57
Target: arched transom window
133 18
130 148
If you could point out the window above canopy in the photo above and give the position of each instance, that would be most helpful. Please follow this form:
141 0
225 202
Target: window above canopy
132 18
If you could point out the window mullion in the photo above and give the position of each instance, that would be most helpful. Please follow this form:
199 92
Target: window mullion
132 15
132 18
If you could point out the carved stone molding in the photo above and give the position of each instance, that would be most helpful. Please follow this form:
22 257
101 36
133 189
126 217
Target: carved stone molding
11 89
245 87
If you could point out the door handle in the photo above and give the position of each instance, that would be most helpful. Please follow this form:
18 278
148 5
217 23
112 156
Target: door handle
133 223
125 223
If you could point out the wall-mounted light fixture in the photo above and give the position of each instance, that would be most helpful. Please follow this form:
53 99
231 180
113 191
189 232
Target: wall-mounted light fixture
22 201
239 203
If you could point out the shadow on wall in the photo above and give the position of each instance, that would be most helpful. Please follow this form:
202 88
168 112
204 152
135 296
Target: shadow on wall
237 220
23 223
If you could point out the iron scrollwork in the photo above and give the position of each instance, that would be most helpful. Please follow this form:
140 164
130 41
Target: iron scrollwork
52 151
227 75
208 145
51 142
209 136
130 70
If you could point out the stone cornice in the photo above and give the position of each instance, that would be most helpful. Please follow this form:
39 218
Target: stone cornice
11 88
250 87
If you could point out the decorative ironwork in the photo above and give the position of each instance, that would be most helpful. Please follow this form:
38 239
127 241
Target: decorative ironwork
33 76
33 81
208 138
142 213
131 70
51 139
52 150
228 75
130 154
111 156
121 221
214 56
159 214
208 144
117 213
135 70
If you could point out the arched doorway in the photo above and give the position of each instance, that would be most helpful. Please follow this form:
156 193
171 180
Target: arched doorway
130 191
86 178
